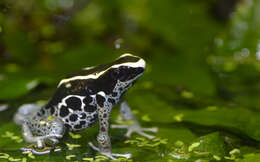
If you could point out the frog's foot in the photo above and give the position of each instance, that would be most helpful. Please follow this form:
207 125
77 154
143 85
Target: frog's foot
109 154
54 127
37 151
136 128
41 140
40 148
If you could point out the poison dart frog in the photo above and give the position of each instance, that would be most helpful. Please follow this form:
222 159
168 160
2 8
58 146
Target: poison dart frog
81 99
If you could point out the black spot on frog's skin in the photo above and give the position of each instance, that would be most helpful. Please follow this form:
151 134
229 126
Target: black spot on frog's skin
77 126
73 117
80 125
67 126
114 94
112 101
64 111
74 103
95 117
100 100
83 116
90 108
42 111
87 100
90 91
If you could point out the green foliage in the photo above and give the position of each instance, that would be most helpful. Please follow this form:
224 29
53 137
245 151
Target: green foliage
13 88
201 86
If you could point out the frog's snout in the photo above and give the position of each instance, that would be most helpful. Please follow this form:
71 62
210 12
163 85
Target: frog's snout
141 67
141 63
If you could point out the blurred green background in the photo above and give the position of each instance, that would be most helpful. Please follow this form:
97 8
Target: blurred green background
201 87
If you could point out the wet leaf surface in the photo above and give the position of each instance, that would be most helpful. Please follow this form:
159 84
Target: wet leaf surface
201 86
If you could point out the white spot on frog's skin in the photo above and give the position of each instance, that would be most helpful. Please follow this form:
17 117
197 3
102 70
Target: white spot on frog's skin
140 63
70 110
101 93
68 85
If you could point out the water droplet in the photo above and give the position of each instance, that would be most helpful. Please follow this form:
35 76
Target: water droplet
118 43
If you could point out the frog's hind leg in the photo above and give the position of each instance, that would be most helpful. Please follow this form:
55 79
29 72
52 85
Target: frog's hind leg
25 111
39 130
127 115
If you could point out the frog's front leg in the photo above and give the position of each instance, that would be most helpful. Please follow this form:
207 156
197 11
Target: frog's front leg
104 144
127 115
41 130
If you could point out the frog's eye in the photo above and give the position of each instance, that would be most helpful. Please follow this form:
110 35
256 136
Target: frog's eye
116 73
120 73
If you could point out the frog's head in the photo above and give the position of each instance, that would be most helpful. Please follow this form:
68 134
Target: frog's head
126 69
119 75
112 79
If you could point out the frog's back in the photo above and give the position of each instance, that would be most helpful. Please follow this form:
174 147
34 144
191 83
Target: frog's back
73 105
76 98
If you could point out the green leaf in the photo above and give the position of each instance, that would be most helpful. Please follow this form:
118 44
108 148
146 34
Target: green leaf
212 143
16 87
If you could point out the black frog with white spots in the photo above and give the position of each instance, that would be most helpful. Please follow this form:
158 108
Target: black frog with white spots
82 99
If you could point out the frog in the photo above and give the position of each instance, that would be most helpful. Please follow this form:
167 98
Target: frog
82 99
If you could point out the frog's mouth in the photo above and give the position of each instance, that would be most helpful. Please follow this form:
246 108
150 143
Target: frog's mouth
136 73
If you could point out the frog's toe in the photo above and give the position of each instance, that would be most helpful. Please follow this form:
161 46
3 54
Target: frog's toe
40 143
37 151
93 146
52 136
109 154
154 129
136 128
140 132
119 126
52 141
114 155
